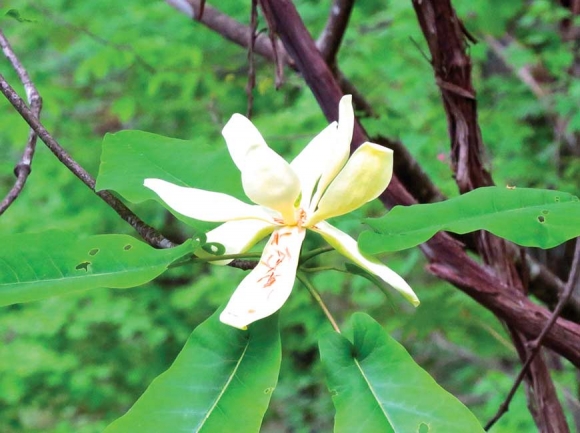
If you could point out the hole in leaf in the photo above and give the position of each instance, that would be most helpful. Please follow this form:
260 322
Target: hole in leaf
423 428
541 219
93 252
214 248
545 212
127 247
84 266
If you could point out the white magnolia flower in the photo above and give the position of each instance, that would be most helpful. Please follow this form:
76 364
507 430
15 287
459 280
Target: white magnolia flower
318 184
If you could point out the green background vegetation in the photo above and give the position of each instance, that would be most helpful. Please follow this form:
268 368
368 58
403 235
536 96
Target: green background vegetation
77 362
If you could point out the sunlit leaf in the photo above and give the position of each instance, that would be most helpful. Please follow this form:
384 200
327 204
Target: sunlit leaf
130 157
377 387
528 217
40 265
221 381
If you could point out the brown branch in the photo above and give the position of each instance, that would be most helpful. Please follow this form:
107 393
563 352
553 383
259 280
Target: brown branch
229 28
535 345
251 63
448 259
331 37
148 233
543 283
23 168
452 67
445 36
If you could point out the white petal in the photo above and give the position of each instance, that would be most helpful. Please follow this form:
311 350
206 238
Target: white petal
265 289
204 205
268 180
313 161
337 151
364 177
241 135
237 237
348 247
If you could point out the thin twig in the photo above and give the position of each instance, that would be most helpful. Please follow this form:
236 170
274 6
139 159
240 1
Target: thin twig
251 62
95 37
304 280
536 344
148 233
23 168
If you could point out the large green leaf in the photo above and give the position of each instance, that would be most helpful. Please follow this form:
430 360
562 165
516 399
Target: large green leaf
221 381
377 387
130 157
40 265
528 217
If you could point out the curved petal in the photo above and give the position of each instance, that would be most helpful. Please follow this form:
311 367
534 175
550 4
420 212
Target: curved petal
265 289
241 135
268 180
348 247
237 237
337 151
313 161
204 205
364 177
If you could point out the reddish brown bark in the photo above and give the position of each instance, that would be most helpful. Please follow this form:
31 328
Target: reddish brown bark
447 257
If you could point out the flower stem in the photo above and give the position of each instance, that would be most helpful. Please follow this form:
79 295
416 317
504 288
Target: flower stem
322 268
304 280
228 257
313 253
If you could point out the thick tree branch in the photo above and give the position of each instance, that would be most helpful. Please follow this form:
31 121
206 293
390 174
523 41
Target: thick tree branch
148 233
448 260
542 282
23 168
536 345
331 37
446 38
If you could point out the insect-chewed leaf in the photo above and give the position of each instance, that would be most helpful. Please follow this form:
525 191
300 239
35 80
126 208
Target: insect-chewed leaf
529 217
40 265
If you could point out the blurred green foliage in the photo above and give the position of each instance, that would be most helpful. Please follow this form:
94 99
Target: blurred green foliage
77 362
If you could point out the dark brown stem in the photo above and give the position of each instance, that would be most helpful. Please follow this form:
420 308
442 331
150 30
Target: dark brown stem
23 168
251 63
331 37
148 233
447 257
535 345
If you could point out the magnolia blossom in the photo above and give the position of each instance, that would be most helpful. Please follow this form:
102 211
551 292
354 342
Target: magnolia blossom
320 183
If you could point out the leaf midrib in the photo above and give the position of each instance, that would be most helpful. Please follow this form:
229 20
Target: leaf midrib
224 388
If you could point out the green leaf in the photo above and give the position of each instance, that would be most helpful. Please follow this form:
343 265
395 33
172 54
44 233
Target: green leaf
529 217
40 265
221 381
130 157
377 387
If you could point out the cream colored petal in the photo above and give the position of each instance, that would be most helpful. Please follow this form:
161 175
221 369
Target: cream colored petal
337 151
204 205
364 177
348 247
241 135
237 237
313 161
265 289
268 180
